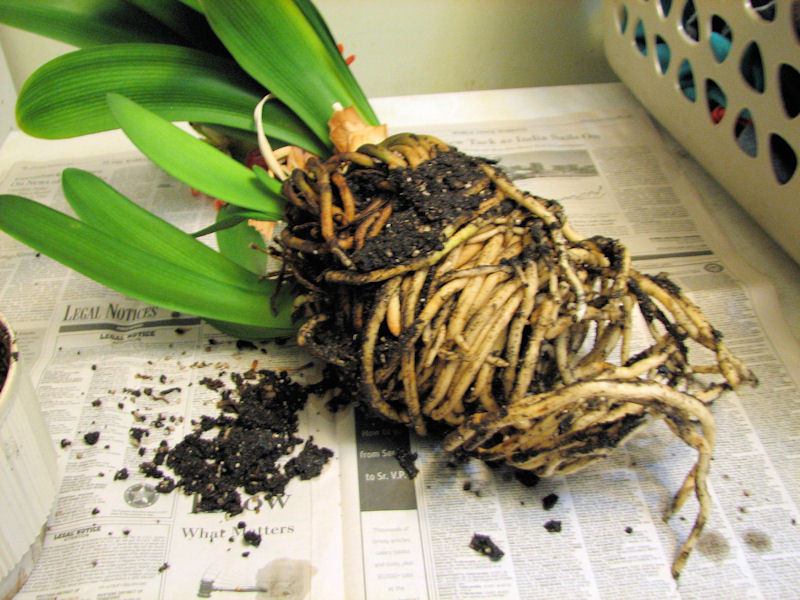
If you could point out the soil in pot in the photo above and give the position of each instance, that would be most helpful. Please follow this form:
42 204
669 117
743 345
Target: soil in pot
5 355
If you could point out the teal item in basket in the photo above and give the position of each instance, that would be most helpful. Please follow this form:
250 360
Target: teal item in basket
752 71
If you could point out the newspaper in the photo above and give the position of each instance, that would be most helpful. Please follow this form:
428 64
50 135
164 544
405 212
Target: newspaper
365 528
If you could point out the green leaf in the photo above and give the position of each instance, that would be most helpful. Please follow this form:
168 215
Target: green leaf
193 161
238 139
183 20
275 43
85 22
135 272
67 96
99 205
195 4
235 243
262 174
248 332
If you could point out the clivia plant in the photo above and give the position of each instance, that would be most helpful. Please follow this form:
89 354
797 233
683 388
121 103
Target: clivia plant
438 293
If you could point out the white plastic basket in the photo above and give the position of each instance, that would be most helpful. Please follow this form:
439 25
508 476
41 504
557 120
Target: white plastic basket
723 77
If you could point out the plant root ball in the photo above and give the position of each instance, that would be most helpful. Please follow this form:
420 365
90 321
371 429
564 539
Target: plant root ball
450 300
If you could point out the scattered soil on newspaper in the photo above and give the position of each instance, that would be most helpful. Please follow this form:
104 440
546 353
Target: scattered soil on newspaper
249 446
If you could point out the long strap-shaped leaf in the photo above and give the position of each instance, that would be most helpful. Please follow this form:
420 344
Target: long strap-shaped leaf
193 161
180 18
99 205
275 43
195 4
133 271
86 22
67 96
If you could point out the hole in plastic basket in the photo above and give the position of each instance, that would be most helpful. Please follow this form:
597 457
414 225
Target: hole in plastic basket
686 80
784 160
744 130
639 38
666 6
721 38
622 18
796 19
764 8
689 21
789 80
752 68
663 54
717 101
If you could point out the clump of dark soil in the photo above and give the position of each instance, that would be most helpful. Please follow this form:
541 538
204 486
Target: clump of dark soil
241 448
553 526
253 538
549 501
309 463
425 200
407 459
526 478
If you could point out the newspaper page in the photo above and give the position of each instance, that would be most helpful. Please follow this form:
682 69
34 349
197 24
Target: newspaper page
120 381
108 366
599 533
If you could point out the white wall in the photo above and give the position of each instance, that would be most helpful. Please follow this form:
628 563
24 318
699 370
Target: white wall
8 97
424 46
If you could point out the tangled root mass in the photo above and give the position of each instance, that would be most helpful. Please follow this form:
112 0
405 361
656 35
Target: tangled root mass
461 305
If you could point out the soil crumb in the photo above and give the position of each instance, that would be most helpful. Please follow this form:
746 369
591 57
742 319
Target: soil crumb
309 463
553 526
549 501
253 538
406 459
484 545
526 478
